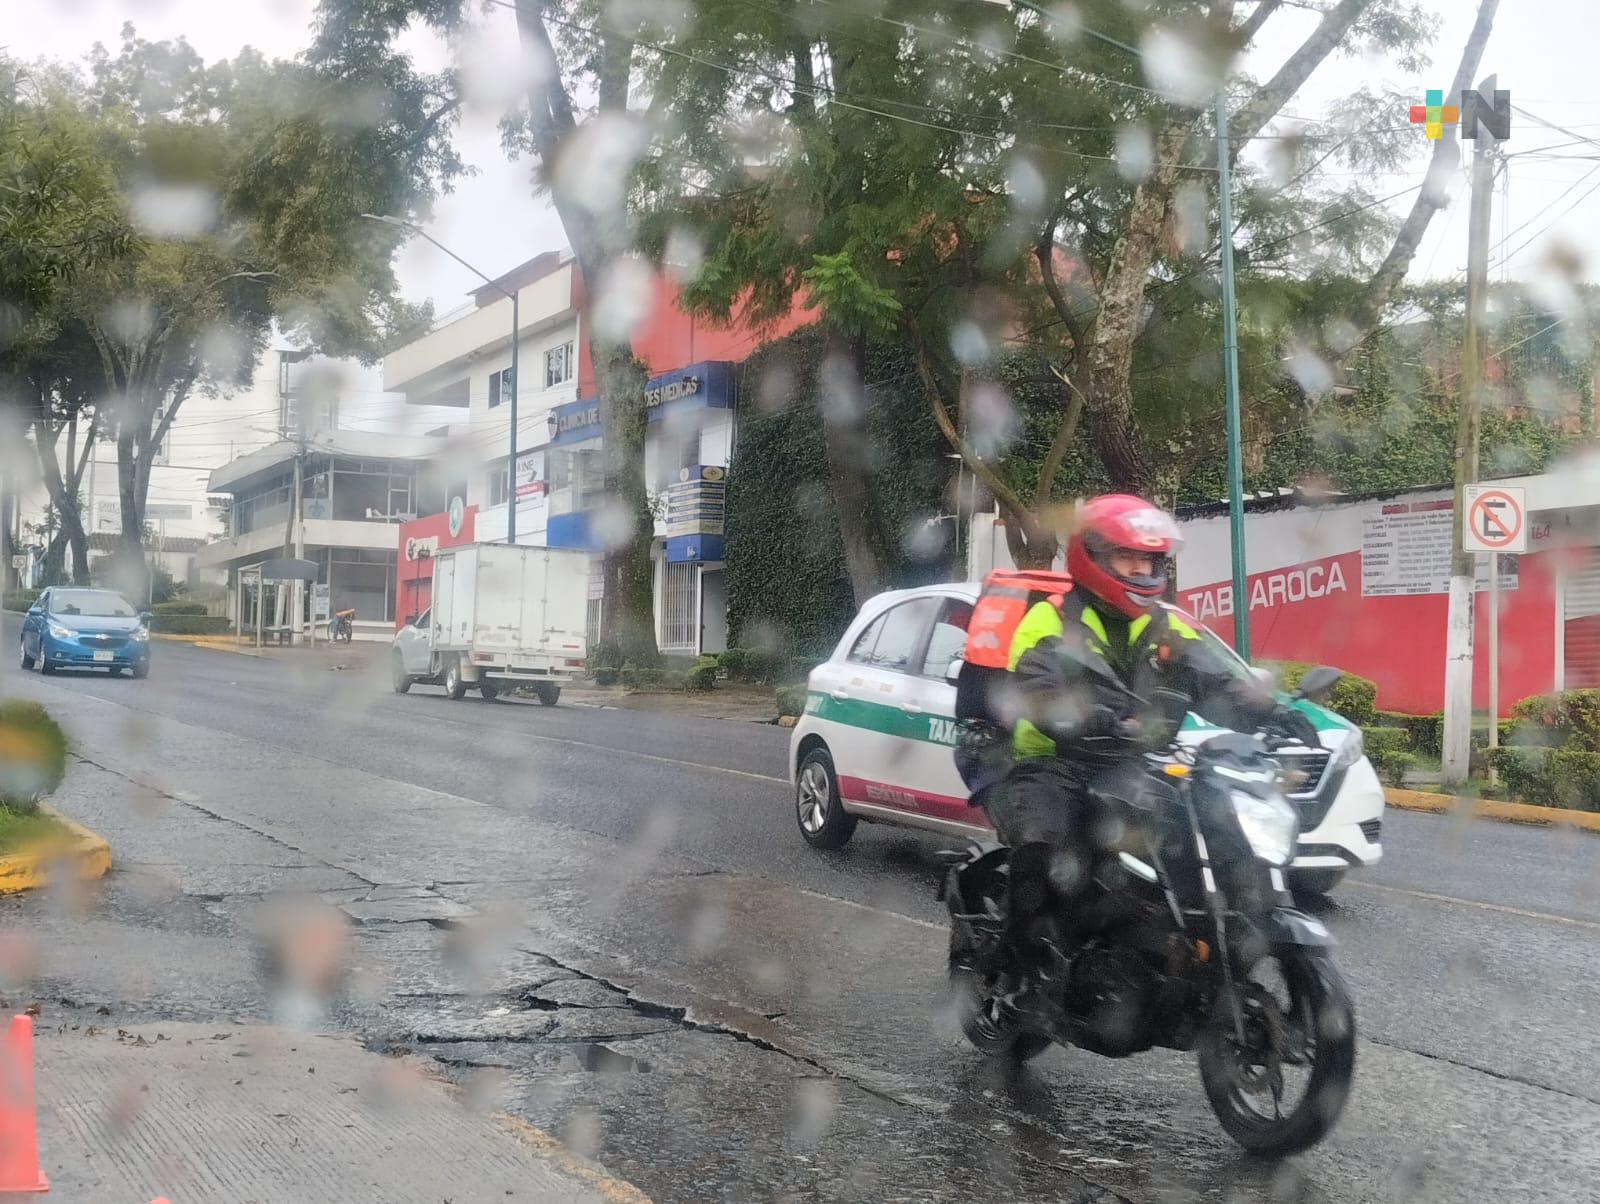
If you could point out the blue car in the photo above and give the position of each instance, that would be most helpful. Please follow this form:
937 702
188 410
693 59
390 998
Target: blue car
70 628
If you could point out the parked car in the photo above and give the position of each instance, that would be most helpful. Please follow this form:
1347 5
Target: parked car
875 742
72 628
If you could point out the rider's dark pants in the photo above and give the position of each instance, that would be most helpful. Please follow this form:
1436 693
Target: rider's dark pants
1043 812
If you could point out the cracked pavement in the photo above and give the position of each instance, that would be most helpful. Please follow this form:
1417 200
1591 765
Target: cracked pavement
605 924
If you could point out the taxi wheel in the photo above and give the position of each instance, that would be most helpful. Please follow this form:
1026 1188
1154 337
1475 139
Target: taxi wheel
823 821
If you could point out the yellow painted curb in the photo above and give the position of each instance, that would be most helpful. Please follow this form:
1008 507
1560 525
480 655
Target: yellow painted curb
617 1191
216 643
1506 813
88 852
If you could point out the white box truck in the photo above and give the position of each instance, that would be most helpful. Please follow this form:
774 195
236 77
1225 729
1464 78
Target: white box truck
503 617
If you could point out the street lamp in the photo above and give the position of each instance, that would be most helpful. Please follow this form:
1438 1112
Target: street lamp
516 376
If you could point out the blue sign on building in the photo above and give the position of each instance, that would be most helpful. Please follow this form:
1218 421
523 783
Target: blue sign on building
707 385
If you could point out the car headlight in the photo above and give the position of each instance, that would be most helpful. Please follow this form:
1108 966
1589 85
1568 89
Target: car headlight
1350 750
1268 823
141 634
57 631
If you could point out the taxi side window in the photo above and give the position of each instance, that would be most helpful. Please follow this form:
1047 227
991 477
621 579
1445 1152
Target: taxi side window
902 629
949 637
861 650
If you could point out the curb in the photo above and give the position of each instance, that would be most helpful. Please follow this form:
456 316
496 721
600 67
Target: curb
1505 813
89 853
614 1190
214 643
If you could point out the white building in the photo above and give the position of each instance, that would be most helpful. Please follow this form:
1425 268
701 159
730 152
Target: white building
464 362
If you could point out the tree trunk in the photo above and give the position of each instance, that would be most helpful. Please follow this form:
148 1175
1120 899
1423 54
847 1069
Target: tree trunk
842 404
129 567
64 501
629 528
598 241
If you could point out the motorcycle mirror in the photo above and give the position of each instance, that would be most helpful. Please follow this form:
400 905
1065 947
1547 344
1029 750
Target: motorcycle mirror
1319 682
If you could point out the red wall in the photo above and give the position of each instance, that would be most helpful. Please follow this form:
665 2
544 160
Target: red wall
669 338
415 573
1400 642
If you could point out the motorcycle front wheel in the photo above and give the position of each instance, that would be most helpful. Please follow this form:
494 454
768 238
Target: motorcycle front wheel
1282 1090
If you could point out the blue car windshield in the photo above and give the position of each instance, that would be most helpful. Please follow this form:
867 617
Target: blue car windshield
90 603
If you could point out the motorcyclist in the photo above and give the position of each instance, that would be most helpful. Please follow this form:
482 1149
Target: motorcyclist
1069 730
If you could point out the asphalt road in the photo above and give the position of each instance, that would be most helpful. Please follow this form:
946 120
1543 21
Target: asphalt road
777 1010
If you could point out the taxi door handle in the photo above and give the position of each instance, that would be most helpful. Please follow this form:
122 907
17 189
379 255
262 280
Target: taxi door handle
911 708
840 695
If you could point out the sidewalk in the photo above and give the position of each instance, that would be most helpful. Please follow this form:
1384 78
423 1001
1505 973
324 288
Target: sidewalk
259 1115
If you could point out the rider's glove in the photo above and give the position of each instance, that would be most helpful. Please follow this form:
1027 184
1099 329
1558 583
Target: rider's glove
1296 726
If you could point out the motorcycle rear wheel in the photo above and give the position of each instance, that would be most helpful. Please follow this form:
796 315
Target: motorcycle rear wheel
985 1021
1320 1014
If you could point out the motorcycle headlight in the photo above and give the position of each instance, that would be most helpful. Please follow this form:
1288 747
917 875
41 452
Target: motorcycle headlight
60 632
1268 823
1351 750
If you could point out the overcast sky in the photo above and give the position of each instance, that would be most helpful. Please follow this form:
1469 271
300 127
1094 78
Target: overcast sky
1538 48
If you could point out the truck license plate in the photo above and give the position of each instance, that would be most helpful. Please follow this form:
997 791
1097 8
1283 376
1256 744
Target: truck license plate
105 656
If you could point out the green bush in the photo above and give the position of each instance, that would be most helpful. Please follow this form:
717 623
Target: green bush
703 676
178 608
1570 719
33 754
1426 731
607 675
19 599
635 678
191 624
1389 750
1354 697
791 700
1550 777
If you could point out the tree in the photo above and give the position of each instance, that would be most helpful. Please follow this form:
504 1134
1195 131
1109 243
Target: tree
248 179
579 124
60 222
1013 183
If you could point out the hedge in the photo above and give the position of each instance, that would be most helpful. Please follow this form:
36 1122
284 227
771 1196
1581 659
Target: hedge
1570 719
1427 732
764 667
1354 697
33 754
19 599
1389 750
191 624
791 700
1550 777
178 608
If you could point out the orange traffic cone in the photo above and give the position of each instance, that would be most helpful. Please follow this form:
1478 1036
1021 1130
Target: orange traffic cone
19 1126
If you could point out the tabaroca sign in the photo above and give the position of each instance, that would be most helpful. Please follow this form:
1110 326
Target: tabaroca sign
1301 583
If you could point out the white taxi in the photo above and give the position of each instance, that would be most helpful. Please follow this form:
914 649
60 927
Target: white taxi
875 742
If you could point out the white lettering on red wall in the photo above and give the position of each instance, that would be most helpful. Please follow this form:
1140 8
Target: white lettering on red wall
1298 584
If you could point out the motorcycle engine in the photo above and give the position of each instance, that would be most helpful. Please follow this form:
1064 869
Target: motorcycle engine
1110 996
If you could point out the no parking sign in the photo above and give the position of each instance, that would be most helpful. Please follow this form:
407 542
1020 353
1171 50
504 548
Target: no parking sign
1496 519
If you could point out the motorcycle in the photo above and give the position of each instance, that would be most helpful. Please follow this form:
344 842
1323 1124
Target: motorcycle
1187 937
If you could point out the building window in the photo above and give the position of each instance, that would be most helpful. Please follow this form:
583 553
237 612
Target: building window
679 625
500 386
557 365
499 482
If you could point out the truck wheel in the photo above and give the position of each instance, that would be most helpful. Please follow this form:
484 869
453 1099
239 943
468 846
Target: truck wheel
547 695
454 687
488 690
402 679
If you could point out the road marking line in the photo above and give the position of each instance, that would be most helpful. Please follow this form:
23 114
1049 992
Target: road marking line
1525 913
624 752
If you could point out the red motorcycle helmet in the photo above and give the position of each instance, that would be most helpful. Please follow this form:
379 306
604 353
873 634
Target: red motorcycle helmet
1121 521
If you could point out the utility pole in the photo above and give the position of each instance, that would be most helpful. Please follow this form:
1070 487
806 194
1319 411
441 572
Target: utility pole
1463 565
1230 369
